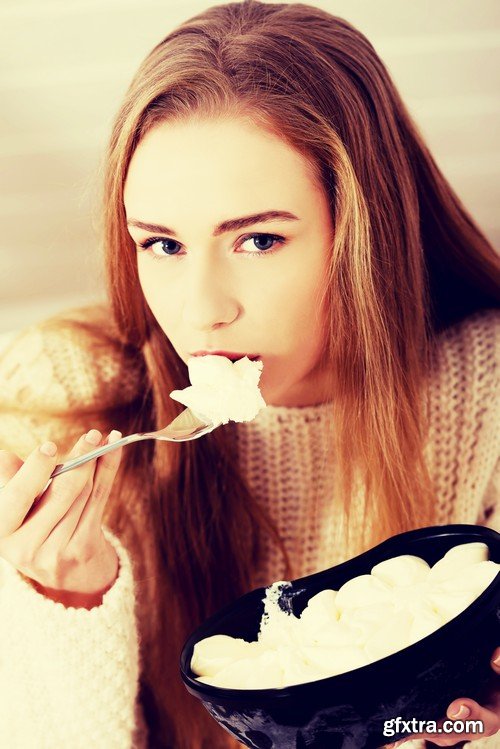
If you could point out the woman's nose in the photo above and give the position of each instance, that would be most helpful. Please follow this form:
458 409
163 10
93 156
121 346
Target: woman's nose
209 301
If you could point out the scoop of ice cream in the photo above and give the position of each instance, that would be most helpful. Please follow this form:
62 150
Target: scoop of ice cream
298 670
411 597
337 634
362 590
261 672
474 578
405 569
333 661
320 623
426 619
450 596
456 558
449 605
365 620
320 610
390 637
215 653
221 390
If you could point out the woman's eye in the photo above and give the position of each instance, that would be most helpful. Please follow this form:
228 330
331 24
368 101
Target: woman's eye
262 244
165 247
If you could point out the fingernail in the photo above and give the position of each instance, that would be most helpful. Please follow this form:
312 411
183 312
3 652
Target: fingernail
48 448
463 712
497 660
93 437
114 436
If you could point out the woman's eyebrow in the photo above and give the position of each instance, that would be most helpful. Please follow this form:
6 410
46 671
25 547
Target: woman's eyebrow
232 224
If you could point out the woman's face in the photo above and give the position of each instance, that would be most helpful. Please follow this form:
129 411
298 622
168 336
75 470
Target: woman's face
239 234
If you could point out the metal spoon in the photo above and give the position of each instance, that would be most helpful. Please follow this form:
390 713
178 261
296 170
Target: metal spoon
185 427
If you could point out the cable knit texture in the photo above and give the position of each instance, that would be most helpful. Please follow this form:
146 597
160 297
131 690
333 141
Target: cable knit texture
69 677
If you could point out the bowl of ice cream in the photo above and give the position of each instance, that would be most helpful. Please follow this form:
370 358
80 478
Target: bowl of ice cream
336 691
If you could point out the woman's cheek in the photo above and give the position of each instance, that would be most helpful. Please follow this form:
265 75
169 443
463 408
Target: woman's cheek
160 300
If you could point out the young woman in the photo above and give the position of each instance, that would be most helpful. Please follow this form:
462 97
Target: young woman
266 193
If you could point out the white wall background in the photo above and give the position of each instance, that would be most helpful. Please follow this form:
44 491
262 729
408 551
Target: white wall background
66 64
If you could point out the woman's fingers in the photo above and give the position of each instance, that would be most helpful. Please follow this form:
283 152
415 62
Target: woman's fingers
22 485
80 528
495 660
58 498
466 710
9 466
104 476
58 542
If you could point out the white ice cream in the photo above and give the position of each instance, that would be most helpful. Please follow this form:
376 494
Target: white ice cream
370 617
222 390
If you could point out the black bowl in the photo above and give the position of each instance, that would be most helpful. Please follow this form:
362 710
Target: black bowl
348 711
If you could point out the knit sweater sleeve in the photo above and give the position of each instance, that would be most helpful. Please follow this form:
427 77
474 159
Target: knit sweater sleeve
68 677
53 369
490 502
463 449
490 509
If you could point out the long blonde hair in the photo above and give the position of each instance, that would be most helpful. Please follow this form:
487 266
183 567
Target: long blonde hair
407 261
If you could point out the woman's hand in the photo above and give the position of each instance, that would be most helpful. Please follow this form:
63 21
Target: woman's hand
58 543
471 710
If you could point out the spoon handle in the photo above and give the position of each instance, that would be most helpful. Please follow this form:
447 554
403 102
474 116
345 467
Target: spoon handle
75 462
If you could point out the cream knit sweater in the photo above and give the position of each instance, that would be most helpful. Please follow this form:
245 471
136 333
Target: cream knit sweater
69 677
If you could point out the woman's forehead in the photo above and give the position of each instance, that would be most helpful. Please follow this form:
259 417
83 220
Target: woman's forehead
240 166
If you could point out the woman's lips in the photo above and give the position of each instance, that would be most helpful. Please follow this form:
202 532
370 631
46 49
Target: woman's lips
234 356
